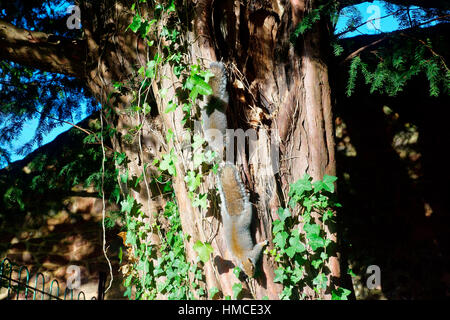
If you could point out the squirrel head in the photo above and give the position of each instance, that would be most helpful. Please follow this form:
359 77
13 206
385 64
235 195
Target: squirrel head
248 267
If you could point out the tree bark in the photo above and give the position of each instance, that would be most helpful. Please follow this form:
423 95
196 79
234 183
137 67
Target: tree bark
45 51
279 89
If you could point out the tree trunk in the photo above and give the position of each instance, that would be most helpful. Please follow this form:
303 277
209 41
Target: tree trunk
277 88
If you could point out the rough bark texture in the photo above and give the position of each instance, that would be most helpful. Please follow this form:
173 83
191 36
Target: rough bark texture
54 54
274 86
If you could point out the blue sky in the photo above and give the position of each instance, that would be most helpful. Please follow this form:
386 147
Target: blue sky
367 10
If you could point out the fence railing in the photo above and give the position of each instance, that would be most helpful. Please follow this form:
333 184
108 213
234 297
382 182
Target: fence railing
20 288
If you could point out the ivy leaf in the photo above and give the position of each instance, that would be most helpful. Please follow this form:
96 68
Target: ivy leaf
316 242
316 263
136 23
311 229
297 189
290 252
198 142
280 239
193 180
127 204
172 106
296 244
131 238
204 250
150 72
280 275
329 182
286 293
320 281
237 271
168 163
297 275
201 201
198 86
283 214
340 294
212 292
327 215
198 159
127 293
351 273
169 135
237 288
278 226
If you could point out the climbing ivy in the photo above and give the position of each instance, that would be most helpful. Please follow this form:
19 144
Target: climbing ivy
301 246
169 274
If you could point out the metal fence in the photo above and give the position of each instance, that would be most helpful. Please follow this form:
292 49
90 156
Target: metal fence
20 288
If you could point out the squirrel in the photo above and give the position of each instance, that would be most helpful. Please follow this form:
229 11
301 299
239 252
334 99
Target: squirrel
214 113
236 210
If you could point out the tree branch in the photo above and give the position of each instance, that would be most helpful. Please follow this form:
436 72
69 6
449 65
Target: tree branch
427 4
43 51
358 44
356 52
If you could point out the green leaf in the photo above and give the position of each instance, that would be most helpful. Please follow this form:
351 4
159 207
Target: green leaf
203 250
200 200
340 294
169 135
127 293
168 163
198 159
329 182
127 204
278 226
237 289
120 254
237 271
297 275
286 293
300 186
198 142
136 24
320 281
351 273
316 242
327 215
295 243
280 239
311 229
193 180
283 214
150 72
290 252
172 106
280 275
316 263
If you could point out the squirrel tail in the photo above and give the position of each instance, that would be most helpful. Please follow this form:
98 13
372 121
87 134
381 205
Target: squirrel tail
233 195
